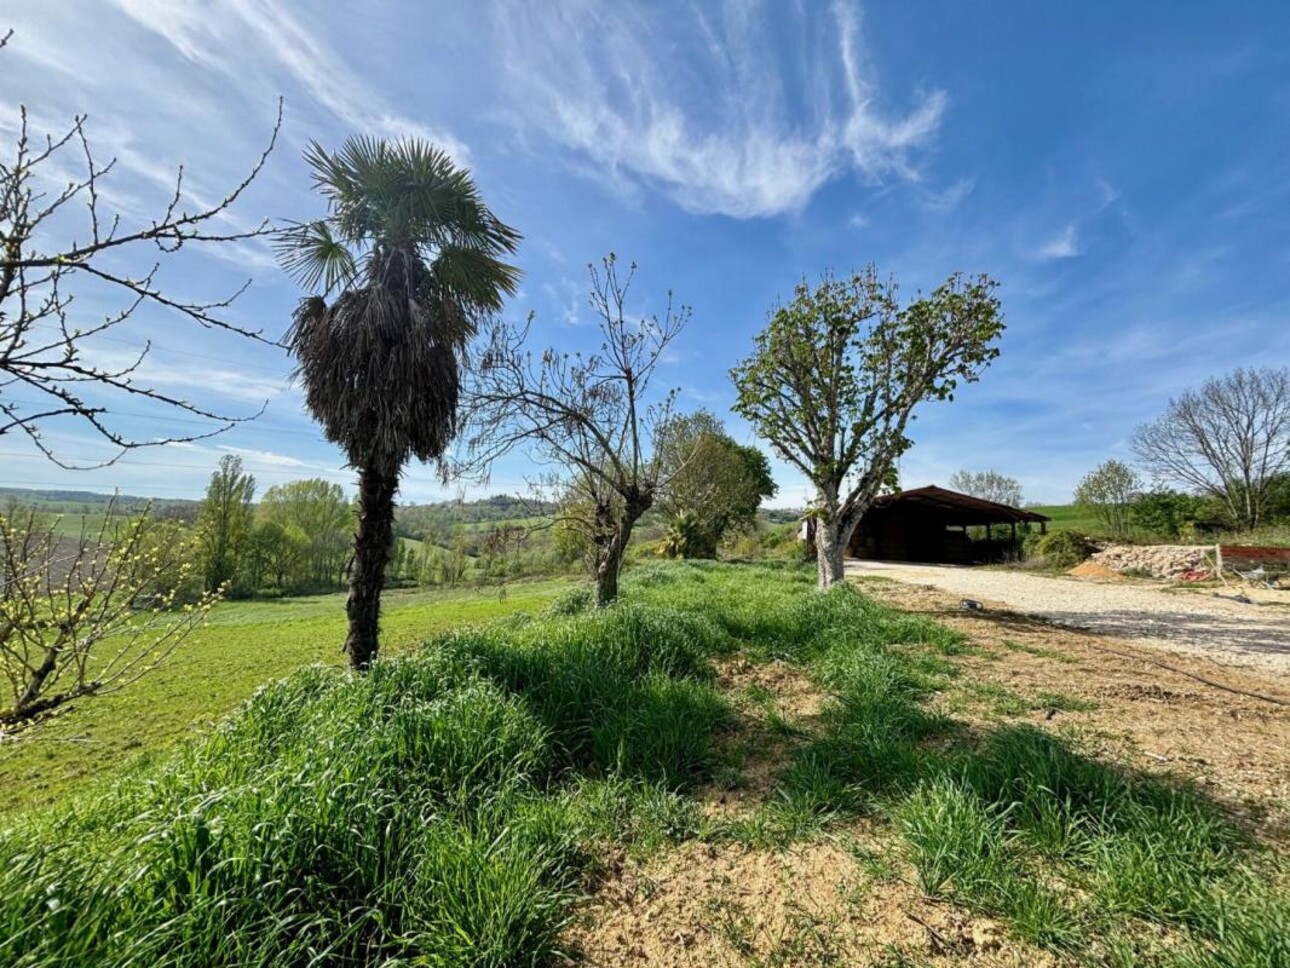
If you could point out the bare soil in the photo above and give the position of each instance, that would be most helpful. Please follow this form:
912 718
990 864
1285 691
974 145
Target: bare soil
1236 625
849 897
1161 720
810 904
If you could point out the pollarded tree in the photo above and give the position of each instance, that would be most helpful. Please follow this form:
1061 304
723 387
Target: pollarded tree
988 486
837 374
593 417
414 259
1109 491
1229 440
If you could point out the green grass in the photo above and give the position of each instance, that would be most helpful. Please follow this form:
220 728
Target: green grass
1039 651
244 645
440 810
1005 702
1070 517
449 807
1070 852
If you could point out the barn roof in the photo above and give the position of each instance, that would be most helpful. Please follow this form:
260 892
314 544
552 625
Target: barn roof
962 506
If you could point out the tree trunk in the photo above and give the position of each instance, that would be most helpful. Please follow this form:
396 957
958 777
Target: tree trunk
372 542
607 570
609 560
828 553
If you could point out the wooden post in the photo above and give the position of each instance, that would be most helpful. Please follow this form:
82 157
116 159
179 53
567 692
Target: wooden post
988 541
1012 549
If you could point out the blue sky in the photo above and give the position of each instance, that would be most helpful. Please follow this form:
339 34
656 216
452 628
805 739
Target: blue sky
1122 170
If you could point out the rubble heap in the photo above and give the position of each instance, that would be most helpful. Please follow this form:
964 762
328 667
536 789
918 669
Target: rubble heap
1158 561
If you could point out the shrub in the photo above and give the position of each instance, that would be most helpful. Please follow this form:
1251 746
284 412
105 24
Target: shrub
1065 549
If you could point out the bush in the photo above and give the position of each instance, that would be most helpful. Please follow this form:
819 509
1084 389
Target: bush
1166 514
1065 549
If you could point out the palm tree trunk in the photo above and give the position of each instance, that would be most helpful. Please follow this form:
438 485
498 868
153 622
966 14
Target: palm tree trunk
372 543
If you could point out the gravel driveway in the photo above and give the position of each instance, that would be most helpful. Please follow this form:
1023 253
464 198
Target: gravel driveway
1223 629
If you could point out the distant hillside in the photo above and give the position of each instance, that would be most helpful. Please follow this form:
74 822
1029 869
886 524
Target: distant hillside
91 502
436 522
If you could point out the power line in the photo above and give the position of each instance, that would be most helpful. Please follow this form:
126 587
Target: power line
144 463
89 338
250 425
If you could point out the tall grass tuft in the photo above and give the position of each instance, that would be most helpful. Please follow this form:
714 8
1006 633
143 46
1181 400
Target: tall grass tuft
438 810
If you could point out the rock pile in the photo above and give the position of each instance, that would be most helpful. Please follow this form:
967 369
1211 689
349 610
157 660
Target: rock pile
1158 561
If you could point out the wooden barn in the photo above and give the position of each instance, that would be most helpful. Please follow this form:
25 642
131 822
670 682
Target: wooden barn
930 524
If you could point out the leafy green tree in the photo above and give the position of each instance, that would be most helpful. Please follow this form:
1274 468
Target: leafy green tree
715 484
836 375
413 257
1109 491
277 554
224 524
316 515
1277 503
1164 513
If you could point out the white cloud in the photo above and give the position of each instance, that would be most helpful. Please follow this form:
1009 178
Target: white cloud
239 34
711 109
948 199
266 457
1064 246
161 370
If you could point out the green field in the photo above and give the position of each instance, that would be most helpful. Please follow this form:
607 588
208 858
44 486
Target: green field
244 645
1069 517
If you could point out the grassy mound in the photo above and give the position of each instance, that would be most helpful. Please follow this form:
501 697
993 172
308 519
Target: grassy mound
447 808
436 810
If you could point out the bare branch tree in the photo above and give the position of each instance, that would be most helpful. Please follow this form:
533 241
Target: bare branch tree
988 486
90 614
1228 440
46 363
592 416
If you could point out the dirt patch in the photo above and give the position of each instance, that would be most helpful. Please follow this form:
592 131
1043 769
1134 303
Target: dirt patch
777 708
1137 692
1120 705
796 694
1092 569
730 904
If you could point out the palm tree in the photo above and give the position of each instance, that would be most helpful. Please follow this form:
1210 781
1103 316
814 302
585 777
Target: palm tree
413 258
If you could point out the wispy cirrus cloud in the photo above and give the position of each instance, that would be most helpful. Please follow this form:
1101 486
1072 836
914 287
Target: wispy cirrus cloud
1062 246
720 112
224 38
949 198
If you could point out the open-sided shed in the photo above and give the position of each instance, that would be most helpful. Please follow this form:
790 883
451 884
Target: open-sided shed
930 524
